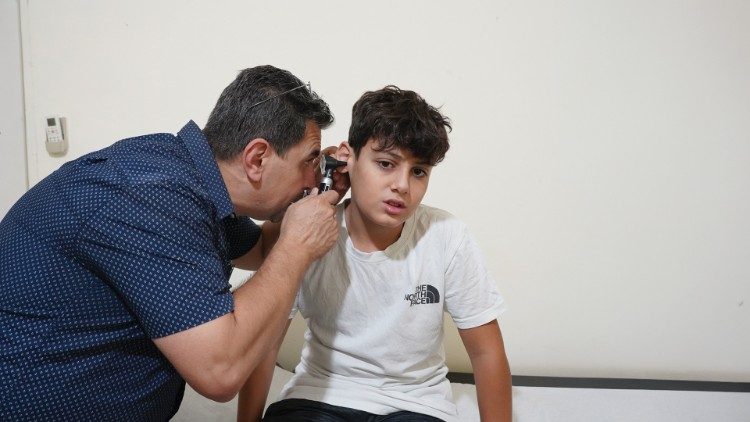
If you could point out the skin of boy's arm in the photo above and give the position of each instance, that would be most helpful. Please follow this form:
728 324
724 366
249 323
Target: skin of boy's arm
252 397
484 345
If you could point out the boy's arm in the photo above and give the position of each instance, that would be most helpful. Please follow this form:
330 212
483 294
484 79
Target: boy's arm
252 397
486 350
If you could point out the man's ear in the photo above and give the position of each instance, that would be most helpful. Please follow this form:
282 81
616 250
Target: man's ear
254 158
344 153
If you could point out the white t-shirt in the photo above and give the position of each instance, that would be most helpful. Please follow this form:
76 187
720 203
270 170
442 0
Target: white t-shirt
375 320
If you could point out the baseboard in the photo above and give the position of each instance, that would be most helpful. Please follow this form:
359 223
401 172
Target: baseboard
613 383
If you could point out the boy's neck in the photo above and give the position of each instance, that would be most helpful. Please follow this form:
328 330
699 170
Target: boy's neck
367 237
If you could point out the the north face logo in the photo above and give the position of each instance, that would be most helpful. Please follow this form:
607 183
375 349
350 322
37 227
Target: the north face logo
423 294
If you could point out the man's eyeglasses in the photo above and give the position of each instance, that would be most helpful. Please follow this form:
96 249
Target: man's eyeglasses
309 89
315 162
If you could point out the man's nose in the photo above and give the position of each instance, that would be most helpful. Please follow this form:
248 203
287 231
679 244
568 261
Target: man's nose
311 180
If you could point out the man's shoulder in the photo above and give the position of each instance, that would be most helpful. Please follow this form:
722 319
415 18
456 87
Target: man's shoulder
154 148
156 158
153 167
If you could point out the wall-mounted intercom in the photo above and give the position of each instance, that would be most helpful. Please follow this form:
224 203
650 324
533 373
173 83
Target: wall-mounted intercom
57 136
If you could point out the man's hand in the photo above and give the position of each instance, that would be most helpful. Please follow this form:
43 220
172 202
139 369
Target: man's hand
309 225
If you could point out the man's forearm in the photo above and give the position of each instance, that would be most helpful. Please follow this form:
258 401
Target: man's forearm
216 358
262 309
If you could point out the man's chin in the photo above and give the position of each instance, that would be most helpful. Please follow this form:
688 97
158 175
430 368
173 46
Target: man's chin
276 218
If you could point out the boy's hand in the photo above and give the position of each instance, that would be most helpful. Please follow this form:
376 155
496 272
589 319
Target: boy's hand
309 225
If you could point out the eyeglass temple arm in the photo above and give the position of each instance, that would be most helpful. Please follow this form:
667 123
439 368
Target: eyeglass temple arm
309 88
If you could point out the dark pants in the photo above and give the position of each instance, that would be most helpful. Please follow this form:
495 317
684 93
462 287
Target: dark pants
300 410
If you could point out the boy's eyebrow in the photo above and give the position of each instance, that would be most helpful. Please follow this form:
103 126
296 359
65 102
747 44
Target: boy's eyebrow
401 157
393 154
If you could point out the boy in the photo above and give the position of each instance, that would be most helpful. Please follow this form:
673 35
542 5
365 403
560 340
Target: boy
374 304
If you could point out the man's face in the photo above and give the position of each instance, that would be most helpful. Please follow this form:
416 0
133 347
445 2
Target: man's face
387 186
285 178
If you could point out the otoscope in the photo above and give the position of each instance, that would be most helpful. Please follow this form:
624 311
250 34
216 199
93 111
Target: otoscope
327 165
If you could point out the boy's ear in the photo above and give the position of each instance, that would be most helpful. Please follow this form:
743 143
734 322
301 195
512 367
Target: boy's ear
345 153
255 157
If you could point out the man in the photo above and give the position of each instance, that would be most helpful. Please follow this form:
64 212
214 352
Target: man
114 269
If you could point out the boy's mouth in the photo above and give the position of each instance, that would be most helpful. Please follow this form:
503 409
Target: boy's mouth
395 203
394 207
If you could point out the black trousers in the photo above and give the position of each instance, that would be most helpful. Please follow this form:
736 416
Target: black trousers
300 410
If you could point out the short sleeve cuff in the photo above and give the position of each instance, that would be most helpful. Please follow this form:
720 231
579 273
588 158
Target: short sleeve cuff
191 315
482 318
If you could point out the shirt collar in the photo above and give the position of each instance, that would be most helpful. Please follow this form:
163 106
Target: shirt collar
197 145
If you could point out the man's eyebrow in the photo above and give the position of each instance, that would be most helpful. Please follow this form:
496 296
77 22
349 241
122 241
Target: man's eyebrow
314 153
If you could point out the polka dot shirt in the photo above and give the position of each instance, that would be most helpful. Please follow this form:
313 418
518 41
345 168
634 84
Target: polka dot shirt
121 246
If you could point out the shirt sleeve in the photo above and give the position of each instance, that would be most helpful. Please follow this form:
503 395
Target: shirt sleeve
295 306
156 245
472 297
242 234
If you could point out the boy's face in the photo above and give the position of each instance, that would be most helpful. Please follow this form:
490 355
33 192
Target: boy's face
387 186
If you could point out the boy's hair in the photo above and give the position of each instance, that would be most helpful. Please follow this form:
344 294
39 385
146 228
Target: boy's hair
247 110
399 118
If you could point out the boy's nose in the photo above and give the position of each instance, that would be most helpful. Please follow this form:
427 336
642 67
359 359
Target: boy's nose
400 182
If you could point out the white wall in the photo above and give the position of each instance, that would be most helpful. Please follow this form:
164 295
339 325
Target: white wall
600 152
12 144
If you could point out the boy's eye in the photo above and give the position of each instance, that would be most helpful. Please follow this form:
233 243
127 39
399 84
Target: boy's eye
419 172
385 164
